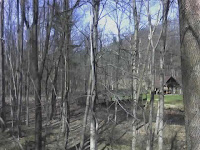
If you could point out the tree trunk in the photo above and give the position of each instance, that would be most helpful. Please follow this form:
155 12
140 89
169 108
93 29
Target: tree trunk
88 92
151 112
36 78
19 74
27 86
93 52
134 72
54 90
66 103
27 96
82 141
190 57
162 56
2 68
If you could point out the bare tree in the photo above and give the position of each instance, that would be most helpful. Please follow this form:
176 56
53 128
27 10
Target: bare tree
82 141
117 16
11 65
93 51
28 45
150 134
67 37
134 71
67 48
150 140
190 47
36 77
20 29
165 4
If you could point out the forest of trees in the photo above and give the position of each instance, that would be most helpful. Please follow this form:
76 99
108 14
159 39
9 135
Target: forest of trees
82 74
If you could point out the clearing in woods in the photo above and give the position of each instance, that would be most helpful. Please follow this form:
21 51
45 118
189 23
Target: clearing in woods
110 135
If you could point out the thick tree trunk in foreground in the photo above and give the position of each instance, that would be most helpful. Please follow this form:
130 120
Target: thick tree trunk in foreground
2 72
190 61
36 78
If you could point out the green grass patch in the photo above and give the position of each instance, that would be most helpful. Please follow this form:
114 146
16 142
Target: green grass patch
171 100
174 101
148 96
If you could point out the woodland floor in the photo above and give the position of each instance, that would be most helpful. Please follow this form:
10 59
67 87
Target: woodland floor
111 136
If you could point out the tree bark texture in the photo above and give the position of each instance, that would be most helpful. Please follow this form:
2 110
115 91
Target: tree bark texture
2 67
189 17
